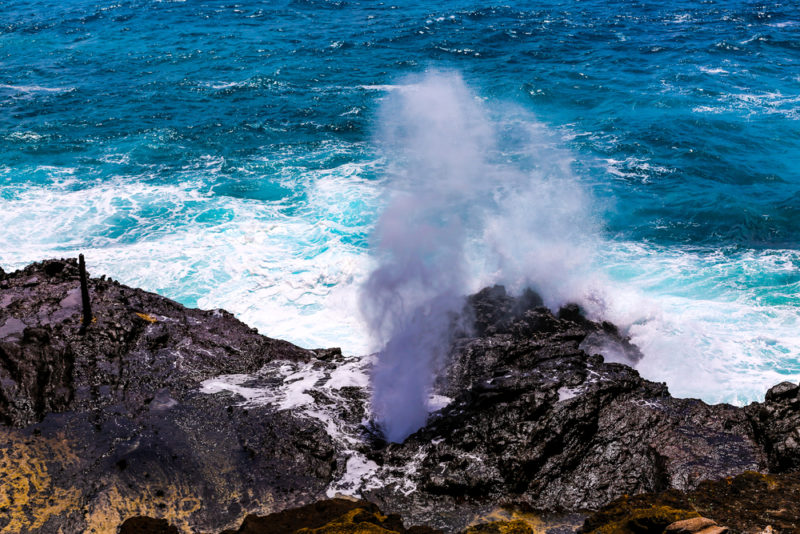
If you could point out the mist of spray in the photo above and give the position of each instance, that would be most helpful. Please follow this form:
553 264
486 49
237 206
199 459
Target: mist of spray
461 212
541 232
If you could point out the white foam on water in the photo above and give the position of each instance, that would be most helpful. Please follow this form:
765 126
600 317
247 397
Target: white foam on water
721 326
713 70
292 273
28 136
681 19
708 109
638 169
755 104
784 24
35 88
383 87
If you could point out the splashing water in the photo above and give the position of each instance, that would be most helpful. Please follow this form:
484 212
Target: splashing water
437 134
459 215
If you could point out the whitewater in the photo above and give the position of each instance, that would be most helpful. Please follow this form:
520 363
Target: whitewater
643 161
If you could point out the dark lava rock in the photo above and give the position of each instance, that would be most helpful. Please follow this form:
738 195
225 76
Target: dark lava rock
139 344
110 424
191 416
502 527
312 515
777 426
537 422
333 516
147 525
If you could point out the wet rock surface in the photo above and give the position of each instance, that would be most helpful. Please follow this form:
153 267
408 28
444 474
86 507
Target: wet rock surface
193 417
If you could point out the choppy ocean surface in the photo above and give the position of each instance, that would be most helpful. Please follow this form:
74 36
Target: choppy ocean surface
231 155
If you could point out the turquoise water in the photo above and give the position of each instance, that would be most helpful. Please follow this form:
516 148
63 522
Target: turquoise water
230 155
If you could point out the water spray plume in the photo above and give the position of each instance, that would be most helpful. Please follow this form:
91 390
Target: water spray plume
457 215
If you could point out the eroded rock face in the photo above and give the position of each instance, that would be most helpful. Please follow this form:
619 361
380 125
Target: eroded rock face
191 416
139 344
777 426
37 373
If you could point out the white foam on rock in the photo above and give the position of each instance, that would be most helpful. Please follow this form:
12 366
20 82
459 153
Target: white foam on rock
286 385
565 393
297 384
233 384
437 402
360 475
350 374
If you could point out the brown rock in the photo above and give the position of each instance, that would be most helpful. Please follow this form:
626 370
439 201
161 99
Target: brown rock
745 503
334 516
695 524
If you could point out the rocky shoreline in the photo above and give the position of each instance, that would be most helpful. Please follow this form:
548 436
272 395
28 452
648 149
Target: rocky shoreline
192 417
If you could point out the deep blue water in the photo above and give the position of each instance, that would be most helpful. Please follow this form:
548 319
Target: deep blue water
227 155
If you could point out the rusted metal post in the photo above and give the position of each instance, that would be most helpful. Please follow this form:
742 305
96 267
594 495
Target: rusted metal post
87 307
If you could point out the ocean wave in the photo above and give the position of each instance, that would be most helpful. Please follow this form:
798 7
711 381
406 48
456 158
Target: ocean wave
712 70
28 89
753 104
291 271
716 324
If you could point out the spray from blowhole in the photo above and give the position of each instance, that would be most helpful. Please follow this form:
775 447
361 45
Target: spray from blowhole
470 202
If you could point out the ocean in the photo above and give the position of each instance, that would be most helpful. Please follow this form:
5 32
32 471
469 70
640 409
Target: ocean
639 157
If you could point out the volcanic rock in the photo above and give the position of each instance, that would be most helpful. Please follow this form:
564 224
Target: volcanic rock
539 423
334 516
109 424
146 525
776 423
190 416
